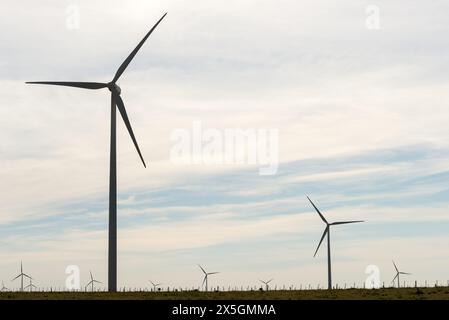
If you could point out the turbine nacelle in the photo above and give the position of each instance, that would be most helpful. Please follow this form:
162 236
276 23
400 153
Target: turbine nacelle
112 86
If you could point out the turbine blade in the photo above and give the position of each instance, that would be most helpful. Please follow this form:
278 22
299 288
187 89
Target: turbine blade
91 278
16 277
321 215
125 63
397 275
213 273
202 269
405 273
83 85
27 276
97 281
121 107
322 237
205 277
345 222
270 280
152 283
395 266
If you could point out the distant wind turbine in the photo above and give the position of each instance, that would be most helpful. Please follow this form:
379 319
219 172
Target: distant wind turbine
327 232
398 273
206 275
116 102
31 285
3 287
266 283
21 275
92 282
155 285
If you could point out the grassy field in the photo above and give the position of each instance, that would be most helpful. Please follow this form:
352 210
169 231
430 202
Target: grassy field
349 294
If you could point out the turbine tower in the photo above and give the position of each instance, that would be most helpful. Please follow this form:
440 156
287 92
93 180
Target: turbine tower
397 274
266 283
91 282
116 102
21 275
155 285
206 275
327 232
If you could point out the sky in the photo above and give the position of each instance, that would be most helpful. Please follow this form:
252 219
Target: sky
356 92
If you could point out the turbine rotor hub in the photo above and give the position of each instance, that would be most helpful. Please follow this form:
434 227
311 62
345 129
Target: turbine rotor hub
115 87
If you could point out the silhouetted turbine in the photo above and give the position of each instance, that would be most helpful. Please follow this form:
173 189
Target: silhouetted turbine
3 287
21 275
206 275
266 283
155 285
327 232
397 274
31 285
116 101
91 282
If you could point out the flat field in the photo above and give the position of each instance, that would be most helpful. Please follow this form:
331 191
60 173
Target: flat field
440 293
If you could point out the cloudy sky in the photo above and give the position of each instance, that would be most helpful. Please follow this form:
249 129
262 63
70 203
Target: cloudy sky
361 114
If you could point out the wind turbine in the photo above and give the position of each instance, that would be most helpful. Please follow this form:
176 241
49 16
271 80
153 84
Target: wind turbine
266 283
155 285
92 281
327 232
21 275
206 275
31 285
3 287
116 102
397 274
